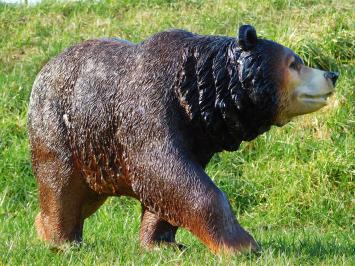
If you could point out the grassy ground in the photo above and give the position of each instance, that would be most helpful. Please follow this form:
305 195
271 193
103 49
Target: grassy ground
292 188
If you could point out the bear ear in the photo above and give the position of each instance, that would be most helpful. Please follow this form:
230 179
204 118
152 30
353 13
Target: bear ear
247 38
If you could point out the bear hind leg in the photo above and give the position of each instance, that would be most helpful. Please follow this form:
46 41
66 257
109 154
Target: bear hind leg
156 231
60 219
62 194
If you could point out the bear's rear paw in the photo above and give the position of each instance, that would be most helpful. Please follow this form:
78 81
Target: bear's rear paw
55 234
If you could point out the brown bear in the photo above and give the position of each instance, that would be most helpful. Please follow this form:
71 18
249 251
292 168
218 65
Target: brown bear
109 117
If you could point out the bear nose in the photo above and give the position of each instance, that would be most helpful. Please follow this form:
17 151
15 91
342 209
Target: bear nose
333 76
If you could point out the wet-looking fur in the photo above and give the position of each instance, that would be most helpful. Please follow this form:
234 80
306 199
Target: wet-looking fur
109 117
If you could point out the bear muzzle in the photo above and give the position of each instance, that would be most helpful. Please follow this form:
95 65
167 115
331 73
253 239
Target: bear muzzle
312 88
317 88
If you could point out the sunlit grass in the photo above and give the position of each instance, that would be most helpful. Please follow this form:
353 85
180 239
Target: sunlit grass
292 188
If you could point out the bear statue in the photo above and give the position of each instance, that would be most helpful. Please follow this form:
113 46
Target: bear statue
108 117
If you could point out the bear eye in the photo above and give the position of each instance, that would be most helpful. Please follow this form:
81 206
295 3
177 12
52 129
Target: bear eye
294 65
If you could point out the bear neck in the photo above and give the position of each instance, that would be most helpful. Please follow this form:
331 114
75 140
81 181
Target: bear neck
215 100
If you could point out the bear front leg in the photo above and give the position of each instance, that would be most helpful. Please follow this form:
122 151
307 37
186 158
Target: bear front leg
156 231
217 227
179 191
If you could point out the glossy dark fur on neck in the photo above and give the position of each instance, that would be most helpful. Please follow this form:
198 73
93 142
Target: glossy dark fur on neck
229 95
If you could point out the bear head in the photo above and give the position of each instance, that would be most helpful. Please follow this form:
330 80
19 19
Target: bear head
234 89
277 80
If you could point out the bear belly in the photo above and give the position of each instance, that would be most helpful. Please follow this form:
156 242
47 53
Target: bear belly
103 167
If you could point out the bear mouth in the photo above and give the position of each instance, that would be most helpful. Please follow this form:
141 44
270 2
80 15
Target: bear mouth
316 98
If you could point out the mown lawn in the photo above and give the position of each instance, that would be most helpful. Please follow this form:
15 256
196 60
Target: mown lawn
292 188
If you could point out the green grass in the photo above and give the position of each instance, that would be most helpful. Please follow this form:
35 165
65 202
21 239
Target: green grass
292 188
